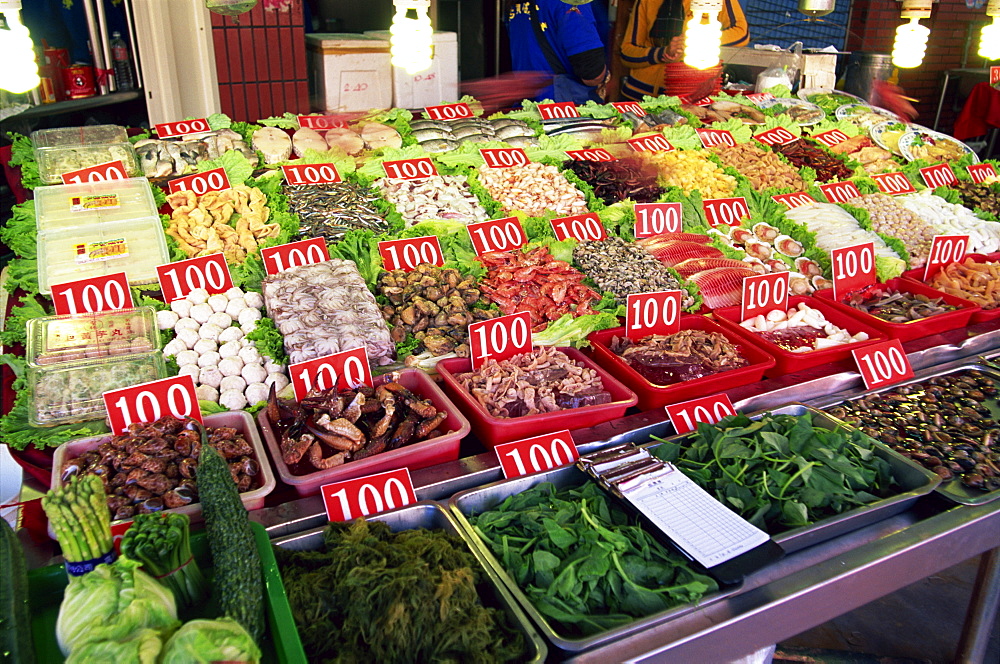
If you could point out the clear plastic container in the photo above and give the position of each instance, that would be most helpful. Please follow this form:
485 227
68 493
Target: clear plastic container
89 135
53 339
72 391
64 206
66 149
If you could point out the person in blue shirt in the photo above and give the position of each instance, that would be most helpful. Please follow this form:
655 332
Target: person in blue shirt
562 40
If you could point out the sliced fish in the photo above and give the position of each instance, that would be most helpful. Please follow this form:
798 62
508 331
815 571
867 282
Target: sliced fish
654 241
672 253
692 265
721 286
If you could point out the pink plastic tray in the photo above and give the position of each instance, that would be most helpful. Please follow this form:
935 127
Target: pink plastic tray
652 395
238 419
495 430
787 362
426 453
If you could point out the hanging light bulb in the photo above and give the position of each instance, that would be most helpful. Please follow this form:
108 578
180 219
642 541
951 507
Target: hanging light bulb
19 72
911 38
989 40
411 38
703 35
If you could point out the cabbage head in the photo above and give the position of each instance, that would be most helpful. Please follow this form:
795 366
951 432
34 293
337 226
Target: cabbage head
205 641
142 647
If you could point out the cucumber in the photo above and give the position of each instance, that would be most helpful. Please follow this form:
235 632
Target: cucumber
15 617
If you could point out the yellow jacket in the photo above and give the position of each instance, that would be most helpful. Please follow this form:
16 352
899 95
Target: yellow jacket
643 58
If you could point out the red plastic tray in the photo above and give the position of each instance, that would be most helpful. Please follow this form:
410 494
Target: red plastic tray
426 453
787 362
495 430
652 395
981 316
914 329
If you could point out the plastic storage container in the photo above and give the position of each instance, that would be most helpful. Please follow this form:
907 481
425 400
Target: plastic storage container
56 209
53 339
349 72
981 316
72 391
495 430
787 362
418 455
651 395
66 149
436 85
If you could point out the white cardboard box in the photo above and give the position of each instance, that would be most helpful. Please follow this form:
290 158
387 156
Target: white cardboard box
431 87
349 72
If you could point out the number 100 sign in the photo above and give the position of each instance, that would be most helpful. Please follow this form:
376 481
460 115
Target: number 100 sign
883 363
148 402
499 338
368 495
537 454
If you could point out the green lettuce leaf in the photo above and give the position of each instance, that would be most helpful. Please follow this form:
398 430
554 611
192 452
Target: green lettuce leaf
683 137
22 154
570 331
361 246
207 641
284 121
238 168
219 121
742 133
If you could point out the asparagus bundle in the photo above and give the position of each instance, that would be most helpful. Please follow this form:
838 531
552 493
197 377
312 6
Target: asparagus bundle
78 512
161 542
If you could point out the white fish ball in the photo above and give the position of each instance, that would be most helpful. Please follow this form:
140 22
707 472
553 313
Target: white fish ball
234 293
246 342
232 383
198 296
187 357
231 366
173 347
253 299
201 312
273 367
250 354
206 393
256 392
220 318
232 399
166 320
249 315
211 376
181 307
253 373
192 370
249 326
209 331
205 346
231 334
279 380
188 337
230 349
235 306
218 302
187 324
209 359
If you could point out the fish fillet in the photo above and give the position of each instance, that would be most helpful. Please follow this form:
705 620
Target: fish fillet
721 286
673 252
691 265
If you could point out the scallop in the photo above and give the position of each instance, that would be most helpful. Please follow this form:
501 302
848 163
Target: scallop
808 267
788 246
765 232
740 235
757 249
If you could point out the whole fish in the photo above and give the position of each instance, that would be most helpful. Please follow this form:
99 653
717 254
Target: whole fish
510 131
431 134
439 145
429 124
521 141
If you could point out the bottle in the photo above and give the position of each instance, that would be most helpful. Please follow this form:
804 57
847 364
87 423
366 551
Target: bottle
122 62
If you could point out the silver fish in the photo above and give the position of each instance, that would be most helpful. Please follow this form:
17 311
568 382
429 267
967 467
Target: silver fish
477 138
430 134
521 141
462 132
439 145
510 131
428 124
507 122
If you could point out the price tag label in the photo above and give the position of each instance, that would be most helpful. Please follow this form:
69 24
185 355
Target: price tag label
776 136
364 496
853 268
711 138
148 402
499 338
591 154
650 143
497 235
118 531
981 172
448 111
182 128
893 183
656 218
504 157
409 169
839 192
561 109
209 272
686 415
537 454
112 170
92 295
939 175
294 254
758 97
704 101
794 200
994 75
408 253
311 174
344 370
728 211
201 183
321 122
883 363
632 107
763 293
652 313
945 250
832 137
582 227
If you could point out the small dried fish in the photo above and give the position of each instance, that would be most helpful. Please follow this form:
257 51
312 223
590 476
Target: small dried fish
330 210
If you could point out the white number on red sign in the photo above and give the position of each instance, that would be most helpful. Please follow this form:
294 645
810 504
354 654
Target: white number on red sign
369 495
883 363
591 154
150 401
499 338
832 137
561 109
939 175
728 211
839 192
209 272
795 199
763 293
448 111
321 122
629 107
656 218
994 75
407 254
711 138
757 97
201 183
504 157
113 170
311 174
650 143
537 454
853 268
582 227
686 415
344 370
652 313
172 129
945 250
893 183
93 295
981 172
409 169
294 254
497 235
776 136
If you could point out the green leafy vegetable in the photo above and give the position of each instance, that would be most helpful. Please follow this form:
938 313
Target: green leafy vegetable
161 542
19 232
268 340
741 132
284 121
570 331
219 121
207 641
237 167
361 246
683 137
15 325
779 91
22 154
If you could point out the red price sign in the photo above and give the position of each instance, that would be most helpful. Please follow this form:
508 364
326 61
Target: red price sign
981 172
180 278
112 170
369 495
499 338
182 128
994 75
832 137
763 293
580 227
883 363
686 415
650 143
776 136
311 174
711 138
497 235
893 183
409 169
407 254
536 455
629 107
728 211
321 122
840 192
757 97
118 531
344 370
294 254
939 175
201 183
704 101
591 154
795 199
853 268
945 250
148 402
656 218
93 295
448 111
561 109
652 313
504 157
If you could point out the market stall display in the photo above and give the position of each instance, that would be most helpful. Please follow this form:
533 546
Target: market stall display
615 181
953 219
68 149
533 189
896 220
233 221
330 210
622 268
435 197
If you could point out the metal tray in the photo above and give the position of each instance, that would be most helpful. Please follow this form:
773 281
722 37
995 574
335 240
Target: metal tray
427 514
476 501
953 490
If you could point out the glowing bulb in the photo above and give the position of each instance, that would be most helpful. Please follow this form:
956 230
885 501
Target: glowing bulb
702 41
989 41
19 73
411 39
911 42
